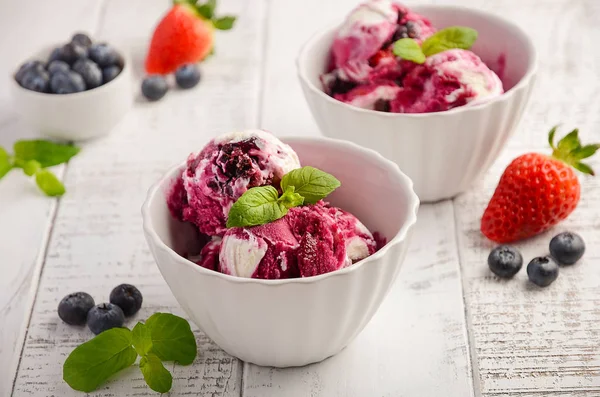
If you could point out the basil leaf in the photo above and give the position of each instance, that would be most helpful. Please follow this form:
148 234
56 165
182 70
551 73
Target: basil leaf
311 183
5 163
92 363
291 199
172 338
45 152
446 39
224 23
141 339
410 50
49 183
155 374
257 206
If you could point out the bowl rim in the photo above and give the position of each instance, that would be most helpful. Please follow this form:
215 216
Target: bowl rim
506 96
77 95
402 235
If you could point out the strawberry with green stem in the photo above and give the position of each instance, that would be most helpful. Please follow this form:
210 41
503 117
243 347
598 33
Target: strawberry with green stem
184 35
537 191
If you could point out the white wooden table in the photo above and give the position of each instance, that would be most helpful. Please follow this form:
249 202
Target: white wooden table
448 328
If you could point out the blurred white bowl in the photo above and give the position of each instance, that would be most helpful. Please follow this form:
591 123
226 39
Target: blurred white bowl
443 153
296 321
79 116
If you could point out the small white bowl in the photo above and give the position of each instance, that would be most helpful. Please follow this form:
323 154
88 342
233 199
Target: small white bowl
79 116
443 153
293 322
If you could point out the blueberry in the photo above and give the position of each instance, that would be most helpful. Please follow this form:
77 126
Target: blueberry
73 308
109 73
542 271
55 55
91 73
154 87
505 261
104 55
27 66
66 83
58 66
105 316
127 297
567 248
71 52
35 80
187 76
82 39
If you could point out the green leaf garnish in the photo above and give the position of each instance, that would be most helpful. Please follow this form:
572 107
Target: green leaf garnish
141 339
46 153
311 183
290 198
92 363
570 150
448 38
224 23
409 49
172 338
49 183
155 374
257 206
207 10
5 163
31 167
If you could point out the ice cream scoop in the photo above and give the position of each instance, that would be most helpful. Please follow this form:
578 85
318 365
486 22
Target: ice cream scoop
226 168
447 80
308 241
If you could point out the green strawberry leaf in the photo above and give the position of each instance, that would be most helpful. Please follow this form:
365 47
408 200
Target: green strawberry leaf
586 169
257 206
207 10
155 374
586 151
224 23
570 151
410 50
569 143
49 183
551 136
449 38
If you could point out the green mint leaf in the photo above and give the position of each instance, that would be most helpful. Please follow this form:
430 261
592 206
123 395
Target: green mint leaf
172 338
290 198
49 183
224 23
141 339
5 163
410 50
31 167
45 152
92 363
155 374
207 10
311 183
257 206
446 39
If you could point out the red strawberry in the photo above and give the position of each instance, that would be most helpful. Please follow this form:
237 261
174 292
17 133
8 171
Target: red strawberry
537 191
184 35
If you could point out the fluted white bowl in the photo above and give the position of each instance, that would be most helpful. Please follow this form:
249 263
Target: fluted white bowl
293 322
443 153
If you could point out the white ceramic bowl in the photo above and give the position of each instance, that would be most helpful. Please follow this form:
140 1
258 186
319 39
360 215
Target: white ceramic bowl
443 153
78 116
293 322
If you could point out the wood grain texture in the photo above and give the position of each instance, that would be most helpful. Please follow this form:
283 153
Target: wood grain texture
25 213
97 240
530 341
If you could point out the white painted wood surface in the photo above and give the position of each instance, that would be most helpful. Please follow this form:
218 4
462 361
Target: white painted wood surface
521 341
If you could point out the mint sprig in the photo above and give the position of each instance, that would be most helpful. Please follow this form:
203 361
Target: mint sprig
164 337
261 205
445 39
33 157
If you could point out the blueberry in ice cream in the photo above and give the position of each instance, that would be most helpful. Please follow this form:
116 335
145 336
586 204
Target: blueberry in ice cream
224 170
263 213
388 58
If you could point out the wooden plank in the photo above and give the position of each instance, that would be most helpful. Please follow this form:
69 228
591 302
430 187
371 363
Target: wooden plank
25 213
415 345
530 341
97 240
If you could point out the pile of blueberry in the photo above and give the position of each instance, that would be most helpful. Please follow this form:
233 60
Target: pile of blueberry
74 67
155 87
79 308
565 249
